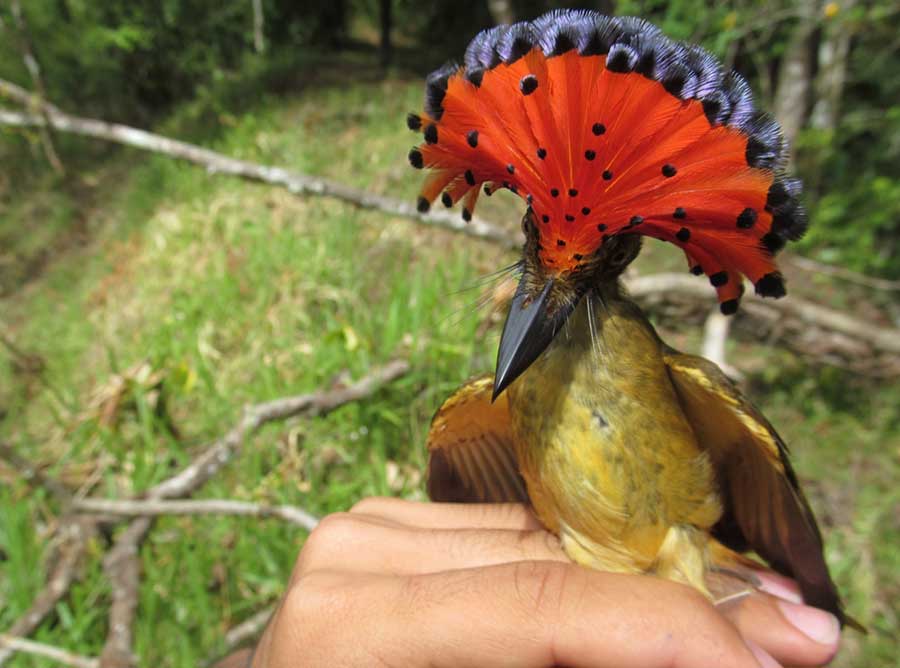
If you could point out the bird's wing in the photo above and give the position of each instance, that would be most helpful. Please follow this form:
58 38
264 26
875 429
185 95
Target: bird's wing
765 510
471 458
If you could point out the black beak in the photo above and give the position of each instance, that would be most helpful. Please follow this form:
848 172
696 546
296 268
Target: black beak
528 331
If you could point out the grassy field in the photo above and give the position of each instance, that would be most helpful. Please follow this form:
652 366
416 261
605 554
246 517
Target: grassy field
232 293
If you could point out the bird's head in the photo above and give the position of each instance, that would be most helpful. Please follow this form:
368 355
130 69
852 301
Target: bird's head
610 131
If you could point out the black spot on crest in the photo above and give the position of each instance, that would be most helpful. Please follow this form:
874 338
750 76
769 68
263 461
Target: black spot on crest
635 220
772 242
577 256
590 155
570 217
545 218
511 169
696 270
528 84
472 138
415 158
422 205
729 306
470 177
446 200
771 285
475 76
747 218
719 279
679 213
607 175
413 121
585 211
573 192
466 215
431 134
598 129
601 227
542 153
683 235
554 192
560 242
669 171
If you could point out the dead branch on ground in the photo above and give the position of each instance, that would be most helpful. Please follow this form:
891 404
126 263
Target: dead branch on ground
153 508
15 644
217 163
807 328
122 563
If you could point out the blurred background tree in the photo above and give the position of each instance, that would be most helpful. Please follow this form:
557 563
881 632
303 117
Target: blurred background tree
828 69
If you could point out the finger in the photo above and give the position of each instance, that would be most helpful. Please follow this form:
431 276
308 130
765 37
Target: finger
794 634
779 585
360 544
546 613
514 516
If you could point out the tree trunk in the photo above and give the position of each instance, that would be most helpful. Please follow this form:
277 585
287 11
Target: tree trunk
259 40
386 25
501 11
37 81
794 88
834 51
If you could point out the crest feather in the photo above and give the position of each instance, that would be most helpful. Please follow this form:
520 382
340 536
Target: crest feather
606 126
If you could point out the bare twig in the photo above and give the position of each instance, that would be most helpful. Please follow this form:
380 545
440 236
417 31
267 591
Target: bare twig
153 508
247 631
71 538
807 264
37 80
221 451
217 163
33 475
60 656
74 538
122 565
884 339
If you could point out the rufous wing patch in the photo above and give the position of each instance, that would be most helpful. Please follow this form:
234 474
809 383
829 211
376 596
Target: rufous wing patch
471 458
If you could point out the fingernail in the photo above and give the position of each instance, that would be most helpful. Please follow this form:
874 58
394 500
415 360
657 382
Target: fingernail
821 626
763 658
775 587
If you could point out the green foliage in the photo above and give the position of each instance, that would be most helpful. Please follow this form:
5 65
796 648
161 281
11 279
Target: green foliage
233 293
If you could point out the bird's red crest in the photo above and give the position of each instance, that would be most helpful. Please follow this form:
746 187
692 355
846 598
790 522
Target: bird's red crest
607 127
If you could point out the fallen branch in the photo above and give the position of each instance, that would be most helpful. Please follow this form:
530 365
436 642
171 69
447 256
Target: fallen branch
154 508
72 539
248 630
33 475
808 264
122 564
37 80
217 163
884 339
63 657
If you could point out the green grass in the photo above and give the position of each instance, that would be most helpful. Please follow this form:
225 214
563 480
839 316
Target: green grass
234 293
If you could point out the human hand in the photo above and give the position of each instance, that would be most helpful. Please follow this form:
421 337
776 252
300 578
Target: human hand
398 583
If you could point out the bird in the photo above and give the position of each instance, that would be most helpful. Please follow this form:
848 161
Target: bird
640 458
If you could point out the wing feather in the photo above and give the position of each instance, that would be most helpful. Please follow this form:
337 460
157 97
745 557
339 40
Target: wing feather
471 457
765 509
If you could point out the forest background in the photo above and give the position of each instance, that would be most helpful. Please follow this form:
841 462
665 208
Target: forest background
145 300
